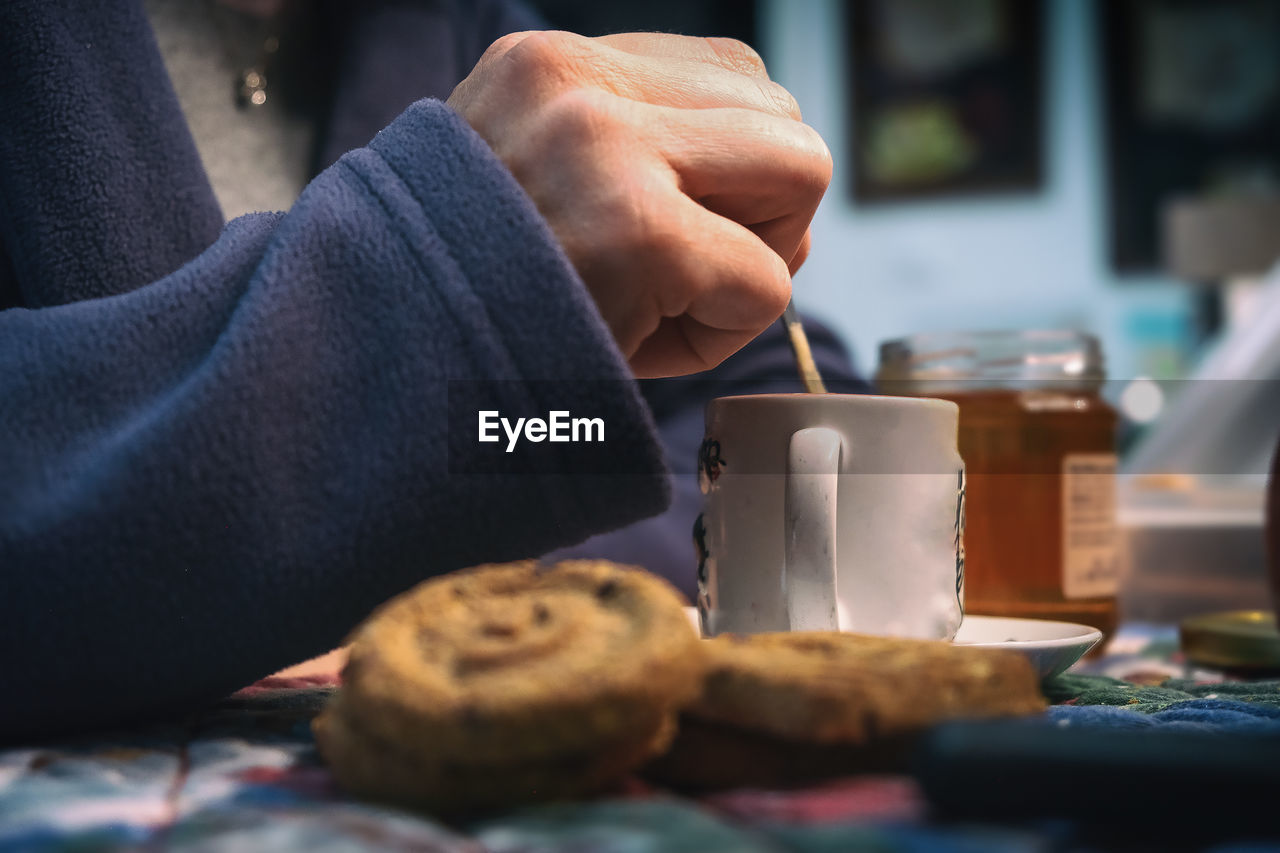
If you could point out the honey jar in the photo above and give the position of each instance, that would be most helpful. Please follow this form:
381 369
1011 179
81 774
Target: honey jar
1038 443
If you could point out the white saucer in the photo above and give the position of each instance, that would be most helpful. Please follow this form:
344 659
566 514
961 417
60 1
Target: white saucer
1050 646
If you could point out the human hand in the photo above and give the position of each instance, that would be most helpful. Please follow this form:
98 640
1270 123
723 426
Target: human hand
678 178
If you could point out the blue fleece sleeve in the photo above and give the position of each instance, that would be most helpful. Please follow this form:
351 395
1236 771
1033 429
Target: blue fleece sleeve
219 473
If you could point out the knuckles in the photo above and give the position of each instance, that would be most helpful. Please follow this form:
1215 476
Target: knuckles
737 55
784 102
574 132
577 119
537 58
539 49
502 46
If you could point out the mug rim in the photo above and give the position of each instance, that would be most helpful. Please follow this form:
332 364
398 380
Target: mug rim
935 403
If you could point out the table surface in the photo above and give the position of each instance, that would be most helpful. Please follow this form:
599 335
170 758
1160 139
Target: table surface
245 775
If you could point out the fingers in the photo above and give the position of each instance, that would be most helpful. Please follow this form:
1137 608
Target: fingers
675 175
681 288
675 71
719 287
713 150
765 172
687 84
729 54
788 236
682 345
739 282
802 254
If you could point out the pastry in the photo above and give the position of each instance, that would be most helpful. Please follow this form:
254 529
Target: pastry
792 707
511 683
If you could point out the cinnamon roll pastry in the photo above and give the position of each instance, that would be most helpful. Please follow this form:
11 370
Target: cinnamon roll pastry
511 683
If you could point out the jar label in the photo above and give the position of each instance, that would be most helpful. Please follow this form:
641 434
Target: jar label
959 541
1090 542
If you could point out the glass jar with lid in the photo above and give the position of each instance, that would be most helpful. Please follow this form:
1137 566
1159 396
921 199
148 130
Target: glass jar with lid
1038 442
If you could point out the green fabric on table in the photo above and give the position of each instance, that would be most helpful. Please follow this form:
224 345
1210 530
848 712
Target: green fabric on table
1259 692
1080 689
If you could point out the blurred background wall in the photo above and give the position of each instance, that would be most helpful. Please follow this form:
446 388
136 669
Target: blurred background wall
1084 119
1014 260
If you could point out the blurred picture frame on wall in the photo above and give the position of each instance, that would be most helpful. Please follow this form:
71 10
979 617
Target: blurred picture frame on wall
1192 109
946 97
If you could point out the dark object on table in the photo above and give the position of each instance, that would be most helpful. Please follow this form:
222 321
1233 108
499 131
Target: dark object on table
1242 641
1132 777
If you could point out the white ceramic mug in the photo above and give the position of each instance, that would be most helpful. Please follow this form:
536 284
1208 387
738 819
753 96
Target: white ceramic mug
831 512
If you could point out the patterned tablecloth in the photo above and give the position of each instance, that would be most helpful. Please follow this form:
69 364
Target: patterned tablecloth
245 776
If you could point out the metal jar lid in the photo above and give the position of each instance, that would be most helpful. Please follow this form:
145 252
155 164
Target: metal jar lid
964 361
1240 639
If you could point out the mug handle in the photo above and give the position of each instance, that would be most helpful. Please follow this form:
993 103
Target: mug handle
809 552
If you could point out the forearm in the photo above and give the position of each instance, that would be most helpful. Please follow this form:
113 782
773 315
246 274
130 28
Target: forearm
219 473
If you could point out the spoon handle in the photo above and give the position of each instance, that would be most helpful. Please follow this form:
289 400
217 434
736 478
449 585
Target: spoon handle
800 348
